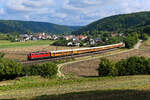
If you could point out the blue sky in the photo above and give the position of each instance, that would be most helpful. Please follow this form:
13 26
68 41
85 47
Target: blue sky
68 12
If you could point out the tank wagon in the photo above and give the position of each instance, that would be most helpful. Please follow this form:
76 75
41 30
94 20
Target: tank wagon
59 53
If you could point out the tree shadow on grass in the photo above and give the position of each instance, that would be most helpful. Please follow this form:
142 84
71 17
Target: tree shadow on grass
97 95
89 76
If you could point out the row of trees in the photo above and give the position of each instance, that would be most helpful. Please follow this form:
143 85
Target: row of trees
131 66
10 69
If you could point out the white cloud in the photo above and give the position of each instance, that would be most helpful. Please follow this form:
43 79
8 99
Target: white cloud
2 11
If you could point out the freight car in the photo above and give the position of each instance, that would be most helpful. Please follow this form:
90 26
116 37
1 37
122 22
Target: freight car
42 55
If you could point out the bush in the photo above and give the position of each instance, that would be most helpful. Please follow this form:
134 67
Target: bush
120 66
144 36
2 55
61 42
46 70
9 69
133 66
30 70
131 40
107 68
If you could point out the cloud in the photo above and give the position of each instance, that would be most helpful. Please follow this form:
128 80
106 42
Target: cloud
2 11
68 12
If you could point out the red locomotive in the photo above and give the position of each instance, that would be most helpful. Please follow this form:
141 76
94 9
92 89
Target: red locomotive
38 55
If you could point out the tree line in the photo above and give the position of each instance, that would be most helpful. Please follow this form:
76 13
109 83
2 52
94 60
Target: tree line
131 66
10 69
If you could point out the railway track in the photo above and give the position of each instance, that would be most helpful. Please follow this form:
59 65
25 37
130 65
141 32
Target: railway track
65 57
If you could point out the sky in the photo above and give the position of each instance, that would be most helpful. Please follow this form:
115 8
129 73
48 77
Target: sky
68 12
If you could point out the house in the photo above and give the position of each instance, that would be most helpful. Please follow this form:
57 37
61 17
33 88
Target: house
68 37
54 37
92 42
81 37
24 37
97 40
70 44
114 34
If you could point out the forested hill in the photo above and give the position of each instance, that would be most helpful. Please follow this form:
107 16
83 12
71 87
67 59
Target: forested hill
9 26
119 23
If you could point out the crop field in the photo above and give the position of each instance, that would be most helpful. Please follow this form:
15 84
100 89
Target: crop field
89 68
19 50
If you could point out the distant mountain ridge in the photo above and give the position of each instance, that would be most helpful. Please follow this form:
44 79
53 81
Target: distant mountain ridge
21 27
118 23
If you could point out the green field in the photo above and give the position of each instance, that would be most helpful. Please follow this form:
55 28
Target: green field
94 88
8 44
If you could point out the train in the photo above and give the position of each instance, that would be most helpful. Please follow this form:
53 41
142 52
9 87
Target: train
59 53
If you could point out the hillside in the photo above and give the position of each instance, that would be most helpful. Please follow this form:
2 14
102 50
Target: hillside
119 23
9 26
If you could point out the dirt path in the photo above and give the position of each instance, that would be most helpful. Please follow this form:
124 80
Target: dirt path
138 44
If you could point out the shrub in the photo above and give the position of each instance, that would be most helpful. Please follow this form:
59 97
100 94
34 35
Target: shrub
133 66
148 66
30 70
144 36
48 70
121 67
107 68
9 69
2 55
131 40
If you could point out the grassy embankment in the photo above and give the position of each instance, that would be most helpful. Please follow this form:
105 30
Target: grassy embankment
8 44
114 88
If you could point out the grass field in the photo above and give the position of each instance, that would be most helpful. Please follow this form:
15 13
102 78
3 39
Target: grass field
8 44
94 88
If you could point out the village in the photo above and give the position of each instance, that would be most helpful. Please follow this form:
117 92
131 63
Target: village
71 40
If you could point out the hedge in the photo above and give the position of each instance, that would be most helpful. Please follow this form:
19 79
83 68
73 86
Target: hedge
46 70
9 69
131 66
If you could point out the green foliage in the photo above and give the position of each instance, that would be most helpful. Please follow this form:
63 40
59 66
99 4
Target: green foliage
61 42
113 40
46 70
2 55
8 26
9 69
131 40
146 29
30 70
144 36
119 23
107 68
131 66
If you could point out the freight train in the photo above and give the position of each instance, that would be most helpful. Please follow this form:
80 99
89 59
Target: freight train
59 53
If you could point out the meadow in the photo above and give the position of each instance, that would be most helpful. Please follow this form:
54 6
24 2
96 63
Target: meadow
8 44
